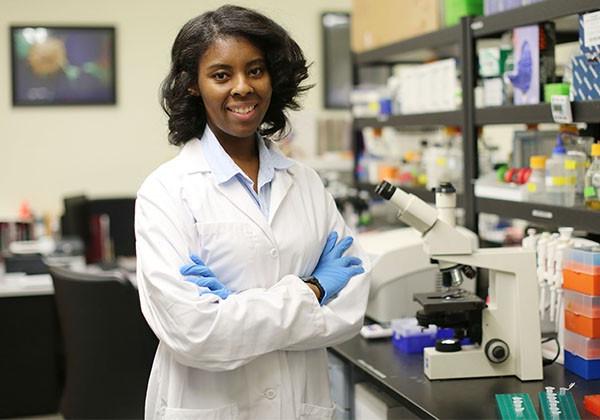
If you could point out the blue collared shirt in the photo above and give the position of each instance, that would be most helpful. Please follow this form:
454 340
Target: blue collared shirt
226 170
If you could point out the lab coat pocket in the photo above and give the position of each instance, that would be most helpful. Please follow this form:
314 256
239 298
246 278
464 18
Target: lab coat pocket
315 412
234 235
227 248
228 412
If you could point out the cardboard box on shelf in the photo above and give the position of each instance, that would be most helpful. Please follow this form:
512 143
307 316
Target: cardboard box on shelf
589 35
586 79
381 22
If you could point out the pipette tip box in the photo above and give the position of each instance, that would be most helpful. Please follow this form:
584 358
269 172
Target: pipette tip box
508 407
567 410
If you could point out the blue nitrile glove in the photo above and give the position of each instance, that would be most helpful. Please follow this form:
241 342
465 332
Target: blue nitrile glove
333 270
199 274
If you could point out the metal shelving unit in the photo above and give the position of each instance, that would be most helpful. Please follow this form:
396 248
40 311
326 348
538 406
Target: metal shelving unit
447 42
544 214
540 113
426 120
465 36
411 49
530 15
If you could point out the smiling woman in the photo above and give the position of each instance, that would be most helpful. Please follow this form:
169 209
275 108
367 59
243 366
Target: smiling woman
246 270
235 88
282 60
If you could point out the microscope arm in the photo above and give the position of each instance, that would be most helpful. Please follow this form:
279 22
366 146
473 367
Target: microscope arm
439 237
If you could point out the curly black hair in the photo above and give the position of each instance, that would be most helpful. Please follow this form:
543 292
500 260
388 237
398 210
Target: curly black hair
285 63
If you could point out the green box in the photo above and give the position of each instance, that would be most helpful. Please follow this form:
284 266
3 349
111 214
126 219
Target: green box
455 9
492 61
551 89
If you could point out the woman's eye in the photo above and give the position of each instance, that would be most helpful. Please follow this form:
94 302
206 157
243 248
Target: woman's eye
257 71
221 76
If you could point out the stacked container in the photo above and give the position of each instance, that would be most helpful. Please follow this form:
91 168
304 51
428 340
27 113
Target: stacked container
581 281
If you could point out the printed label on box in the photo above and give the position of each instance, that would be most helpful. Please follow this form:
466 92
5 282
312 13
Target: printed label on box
591 29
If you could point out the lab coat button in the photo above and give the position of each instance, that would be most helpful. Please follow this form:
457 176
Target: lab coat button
274 253
270 393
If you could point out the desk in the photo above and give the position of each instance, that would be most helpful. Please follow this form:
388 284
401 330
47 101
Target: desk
402 377
19 284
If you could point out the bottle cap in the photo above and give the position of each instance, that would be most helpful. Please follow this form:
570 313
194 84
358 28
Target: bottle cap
559 149
537 162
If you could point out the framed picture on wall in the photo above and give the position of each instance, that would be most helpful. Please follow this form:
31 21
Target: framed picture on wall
63 65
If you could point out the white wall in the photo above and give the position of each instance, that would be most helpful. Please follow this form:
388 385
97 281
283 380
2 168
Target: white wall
47 152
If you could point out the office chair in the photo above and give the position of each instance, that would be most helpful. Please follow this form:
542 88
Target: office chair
108 346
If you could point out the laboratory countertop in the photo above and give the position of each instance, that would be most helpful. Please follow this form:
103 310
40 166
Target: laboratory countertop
19 284
402 375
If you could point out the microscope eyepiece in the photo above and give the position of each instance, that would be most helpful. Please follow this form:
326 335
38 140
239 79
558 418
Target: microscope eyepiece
385 190
445 187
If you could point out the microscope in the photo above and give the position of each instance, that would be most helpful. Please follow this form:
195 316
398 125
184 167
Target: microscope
504 331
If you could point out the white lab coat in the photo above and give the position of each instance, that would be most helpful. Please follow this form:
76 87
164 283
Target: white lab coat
259 354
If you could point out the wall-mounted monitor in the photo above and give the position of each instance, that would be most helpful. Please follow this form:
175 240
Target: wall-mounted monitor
61 65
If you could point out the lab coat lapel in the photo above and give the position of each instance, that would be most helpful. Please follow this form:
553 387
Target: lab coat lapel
282 183
239 197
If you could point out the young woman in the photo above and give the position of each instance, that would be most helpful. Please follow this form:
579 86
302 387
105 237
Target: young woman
246 270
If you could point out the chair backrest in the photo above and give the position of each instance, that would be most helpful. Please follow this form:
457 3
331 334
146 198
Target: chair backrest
108 345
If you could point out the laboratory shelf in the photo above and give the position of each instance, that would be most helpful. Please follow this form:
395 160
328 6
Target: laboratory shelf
530 15
539 113
426 120
544 214
405 50
463 38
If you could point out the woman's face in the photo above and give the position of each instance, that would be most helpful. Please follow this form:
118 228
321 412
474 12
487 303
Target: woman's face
235 87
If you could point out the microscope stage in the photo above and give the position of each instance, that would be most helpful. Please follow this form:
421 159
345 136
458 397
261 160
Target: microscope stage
450 301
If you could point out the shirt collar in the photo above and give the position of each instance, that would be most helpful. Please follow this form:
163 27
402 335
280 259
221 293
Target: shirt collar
224 168
221 164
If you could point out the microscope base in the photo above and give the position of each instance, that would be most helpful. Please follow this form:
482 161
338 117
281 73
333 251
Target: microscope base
470 362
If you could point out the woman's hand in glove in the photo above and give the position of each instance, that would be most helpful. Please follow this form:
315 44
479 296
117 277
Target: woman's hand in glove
333 270
199 274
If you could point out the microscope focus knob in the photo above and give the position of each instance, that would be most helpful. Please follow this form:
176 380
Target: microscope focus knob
497 351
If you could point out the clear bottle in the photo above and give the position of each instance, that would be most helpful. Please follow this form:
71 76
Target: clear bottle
575 173
536 184
592 180
558 189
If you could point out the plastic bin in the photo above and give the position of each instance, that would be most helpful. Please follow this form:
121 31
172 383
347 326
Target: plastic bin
582 304
590 327
410 338
581 282
414 344
582 346
587 369
583 260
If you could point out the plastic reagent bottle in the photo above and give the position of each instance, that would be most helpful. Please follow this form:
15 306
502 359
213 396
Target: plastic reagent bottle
536 191
592 180
558 189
